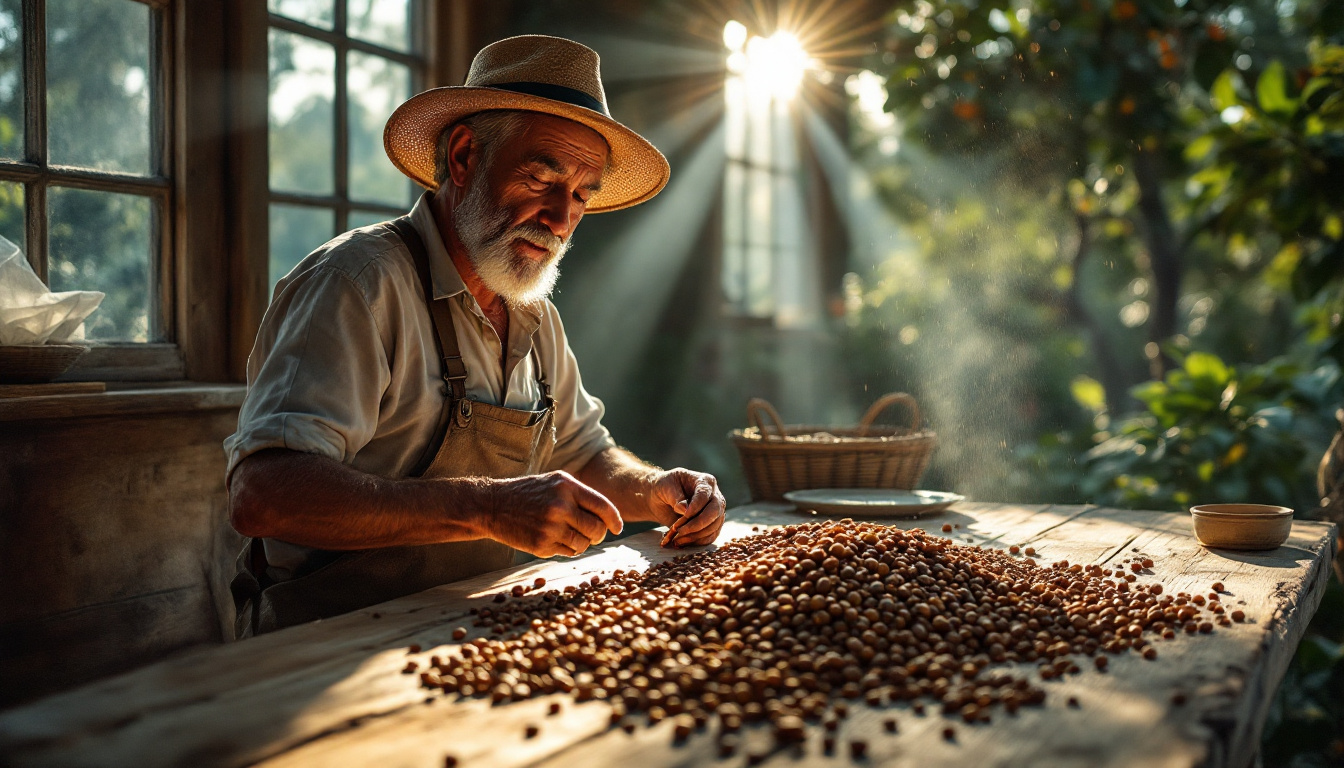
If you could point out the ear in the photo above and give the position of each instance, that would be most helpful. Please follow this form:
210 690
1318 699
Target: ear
462 160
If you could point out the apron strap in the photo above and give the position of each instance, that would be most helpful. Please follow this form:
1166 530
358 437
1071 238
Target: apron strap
445 339
454 370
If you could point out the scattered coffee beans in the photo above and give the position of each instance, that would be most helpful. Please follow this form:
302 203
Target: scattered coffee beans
787 625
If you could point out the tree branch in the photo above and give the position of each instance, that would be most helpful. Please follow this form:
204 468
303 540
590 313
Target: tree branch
1164 253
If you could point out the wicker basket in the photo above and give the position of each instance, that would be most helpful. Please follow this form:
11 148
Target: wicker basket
36 363
782 458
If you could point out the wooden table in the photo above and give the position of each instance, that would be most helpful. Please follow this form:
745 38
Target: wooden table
332 692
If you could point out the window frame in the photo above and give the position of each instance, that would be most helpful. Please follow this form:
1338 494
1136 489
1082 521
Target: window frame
417 61
111 360
756 129
212 187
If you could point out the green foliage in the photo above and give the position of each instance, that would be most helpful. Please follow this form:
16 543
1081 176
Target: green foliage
1266 176
98 106
1213 433
11 80
1224 117
1305 727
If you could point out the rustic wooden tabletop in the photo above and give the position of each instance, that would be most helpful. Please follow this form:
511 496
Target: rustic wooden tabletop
332 692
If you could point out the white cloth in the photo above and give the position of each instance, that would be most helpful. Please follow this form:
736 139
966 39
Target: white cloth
30 313
345 364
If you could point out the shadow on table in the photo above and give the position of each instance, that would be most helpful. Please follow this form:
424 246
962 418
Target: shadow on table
1282 557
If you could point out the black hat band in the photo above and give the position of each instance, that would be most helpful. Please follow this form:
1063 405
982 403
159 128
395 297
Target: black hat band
555 93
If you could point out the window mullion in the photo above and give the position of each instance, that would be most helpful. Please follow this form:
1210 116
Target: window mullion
163 268
287 24
342 143
160 92
35 130
342 107
35 81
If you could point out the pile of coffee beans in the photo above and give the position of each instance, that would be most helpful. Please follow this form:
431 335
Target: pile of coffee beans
787 625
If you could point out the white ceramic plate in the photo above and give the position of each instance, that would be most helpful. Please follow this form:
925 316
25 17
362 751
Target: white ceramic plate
871 502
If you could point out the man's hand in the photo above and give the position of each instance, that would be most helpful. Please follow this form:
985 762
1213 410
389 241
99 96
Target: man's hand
550 514
690 504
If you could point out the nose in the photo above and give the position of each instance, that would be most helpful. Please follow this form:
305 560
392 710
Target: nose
560 213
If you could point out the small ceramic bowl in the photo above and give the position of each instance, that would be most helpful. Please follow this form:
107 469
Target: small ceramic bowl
1241 526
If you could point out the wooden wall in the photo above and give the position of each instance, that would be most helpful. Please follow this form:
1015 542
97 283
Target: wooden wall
115 546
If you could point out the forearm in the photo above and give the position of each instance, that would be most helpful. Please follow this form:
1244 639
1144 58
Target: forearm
622 477
316 501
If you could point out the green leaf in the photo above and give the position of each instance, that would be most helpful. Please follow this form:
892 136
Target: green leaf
1224 92
1088 393
1202 365
1274 417
1271 91
1149 392
1206 471
1200 148
1313 85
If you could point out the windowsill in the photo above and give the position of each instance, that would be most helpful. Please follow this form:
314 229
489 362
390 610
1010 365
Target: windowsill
125 400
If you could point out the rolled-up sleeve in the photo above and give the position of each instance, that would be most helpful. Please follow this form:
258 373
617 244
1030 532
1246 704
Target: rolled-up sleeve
579 434
317 373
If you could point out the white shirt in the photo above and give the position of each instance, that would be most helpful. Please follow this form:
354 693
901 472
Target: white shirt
345 364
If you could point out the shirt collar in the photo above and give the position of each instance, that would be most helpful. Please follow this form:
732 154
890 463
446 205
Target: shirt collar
447 281
442 271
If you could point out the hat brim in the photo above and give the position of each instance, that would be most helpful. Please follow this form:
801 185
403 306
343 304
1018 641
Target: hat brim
636 170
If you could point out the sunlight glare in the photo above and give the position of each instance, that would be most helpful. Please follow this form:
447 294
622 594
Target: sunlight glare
734 35
776 64
773 66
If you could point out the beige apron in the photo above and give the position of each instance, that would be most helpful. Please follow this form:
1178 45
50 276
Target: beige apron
478 440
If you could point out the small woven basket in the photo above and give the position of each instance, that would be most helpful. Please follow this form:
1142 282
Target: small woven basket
778 458
36 363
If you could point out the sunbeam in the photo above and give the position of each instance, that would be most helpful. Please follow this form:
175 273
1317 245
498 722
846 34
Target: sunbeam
637 271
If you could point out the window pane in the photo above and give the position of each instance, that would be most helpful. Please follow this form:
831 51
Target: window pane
365 218
385 22
102 241
319 13
98 84
11 214
302 122
11 79
295 231
376 87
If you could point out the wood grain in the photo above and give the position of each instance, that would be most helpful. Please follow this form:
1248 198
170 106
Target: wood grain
130 402
117 547
332 691
39 390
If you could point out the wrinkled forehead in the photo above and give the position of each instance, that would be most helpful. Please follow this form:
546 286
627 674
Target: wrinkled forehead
565 141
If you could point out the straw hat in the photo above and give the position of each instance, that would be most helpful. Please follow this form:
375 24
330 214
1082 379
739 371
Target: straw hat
535 73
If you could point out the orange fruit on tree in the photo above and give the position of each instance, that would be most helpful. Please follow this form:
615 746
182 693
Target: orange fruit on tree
966 110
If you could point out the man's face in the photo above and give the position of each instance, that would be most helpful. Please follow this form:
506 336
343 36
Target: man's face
521 208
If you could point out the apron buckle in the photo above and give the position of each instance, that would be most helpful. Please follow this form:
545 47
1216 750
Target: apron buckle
463 412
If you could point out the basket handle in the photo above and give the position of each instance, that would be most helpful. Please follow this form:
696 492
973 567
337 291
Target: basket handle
882 404
754 408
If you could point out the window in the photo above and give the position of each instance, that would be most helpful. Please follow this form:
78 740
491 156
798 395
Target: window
762 210
337 70
85 178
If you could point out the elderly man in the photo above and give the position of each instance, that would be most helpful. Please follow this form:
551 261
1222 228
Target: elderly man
414 413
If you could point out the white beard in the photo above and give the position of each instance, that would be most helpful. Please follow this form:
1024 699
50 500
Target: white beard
486 236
